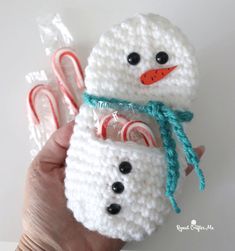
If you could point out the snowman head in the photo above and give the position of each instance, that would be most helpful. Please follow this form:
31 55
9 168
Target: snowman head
144 58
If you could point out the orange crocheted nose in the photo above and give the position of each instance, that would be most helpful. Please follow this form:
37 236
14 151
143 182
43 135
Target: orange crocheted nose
152 76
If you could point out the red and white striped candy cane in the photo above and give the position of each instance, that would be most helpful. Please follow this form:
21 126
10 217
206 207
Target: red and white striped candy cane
58 70
107 120
142 128
43 89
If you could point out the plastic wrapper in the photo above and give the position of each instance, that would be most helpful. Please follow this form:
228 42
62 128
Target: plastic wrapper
53 33
59 46
54 97
69 77
126 127
43 110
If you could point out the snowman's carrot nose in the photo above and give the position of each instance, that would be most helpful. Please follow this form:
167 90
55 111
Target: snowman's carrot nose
152 76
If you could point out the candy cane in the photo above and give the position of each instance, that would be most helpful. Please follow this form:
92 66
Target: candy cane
60 75
140 127
107 120
44 90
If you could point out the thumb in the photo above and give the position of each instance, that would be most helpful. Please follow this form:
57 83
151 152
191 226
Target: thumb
54 151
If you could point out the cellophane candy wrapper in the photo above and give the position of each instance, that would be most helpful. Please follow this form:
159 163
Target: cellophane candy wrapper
54 33
125 163
42 109
59 46
54 97
126 126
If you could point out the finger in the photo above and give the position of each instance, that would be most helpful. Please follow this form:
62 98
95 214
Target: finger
54 151
200 150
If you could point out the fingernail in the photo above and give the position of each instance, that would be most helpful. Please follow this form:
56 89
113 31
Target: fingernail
203 148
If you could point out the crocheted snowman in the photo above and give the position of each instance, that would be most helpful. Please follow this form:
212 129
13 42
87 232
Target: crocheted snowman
123 165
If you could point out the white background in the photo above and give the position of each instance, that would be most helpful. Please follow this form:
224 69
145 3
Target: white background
210 26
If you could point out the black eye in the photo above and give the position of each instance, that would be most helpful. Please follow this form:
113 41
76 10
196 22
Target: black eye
133 58
162 57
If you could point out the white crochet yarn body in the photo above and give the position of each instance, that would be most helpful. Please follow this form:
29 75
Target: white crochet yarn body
94 165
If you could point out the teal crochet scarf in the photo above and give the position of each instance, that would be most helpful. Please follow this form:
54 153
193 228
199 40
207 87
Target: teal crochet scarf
169 121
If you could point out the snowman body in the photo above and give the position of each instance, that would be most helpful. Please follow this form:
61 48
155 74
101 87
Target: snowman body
136 205
113 187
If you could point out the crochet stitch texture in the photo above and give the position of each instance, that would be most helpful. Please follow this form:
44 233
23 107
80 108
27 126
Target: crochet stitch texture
169 121
93 164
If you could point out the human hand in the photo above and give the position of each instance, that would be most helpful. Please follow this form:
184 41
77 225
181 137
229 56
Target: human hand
47 223
200 150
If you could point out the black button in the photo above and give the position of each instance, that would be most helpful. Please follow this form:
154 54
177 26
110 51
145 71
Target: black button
125 167
114 208
162 57
118 187
133 58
